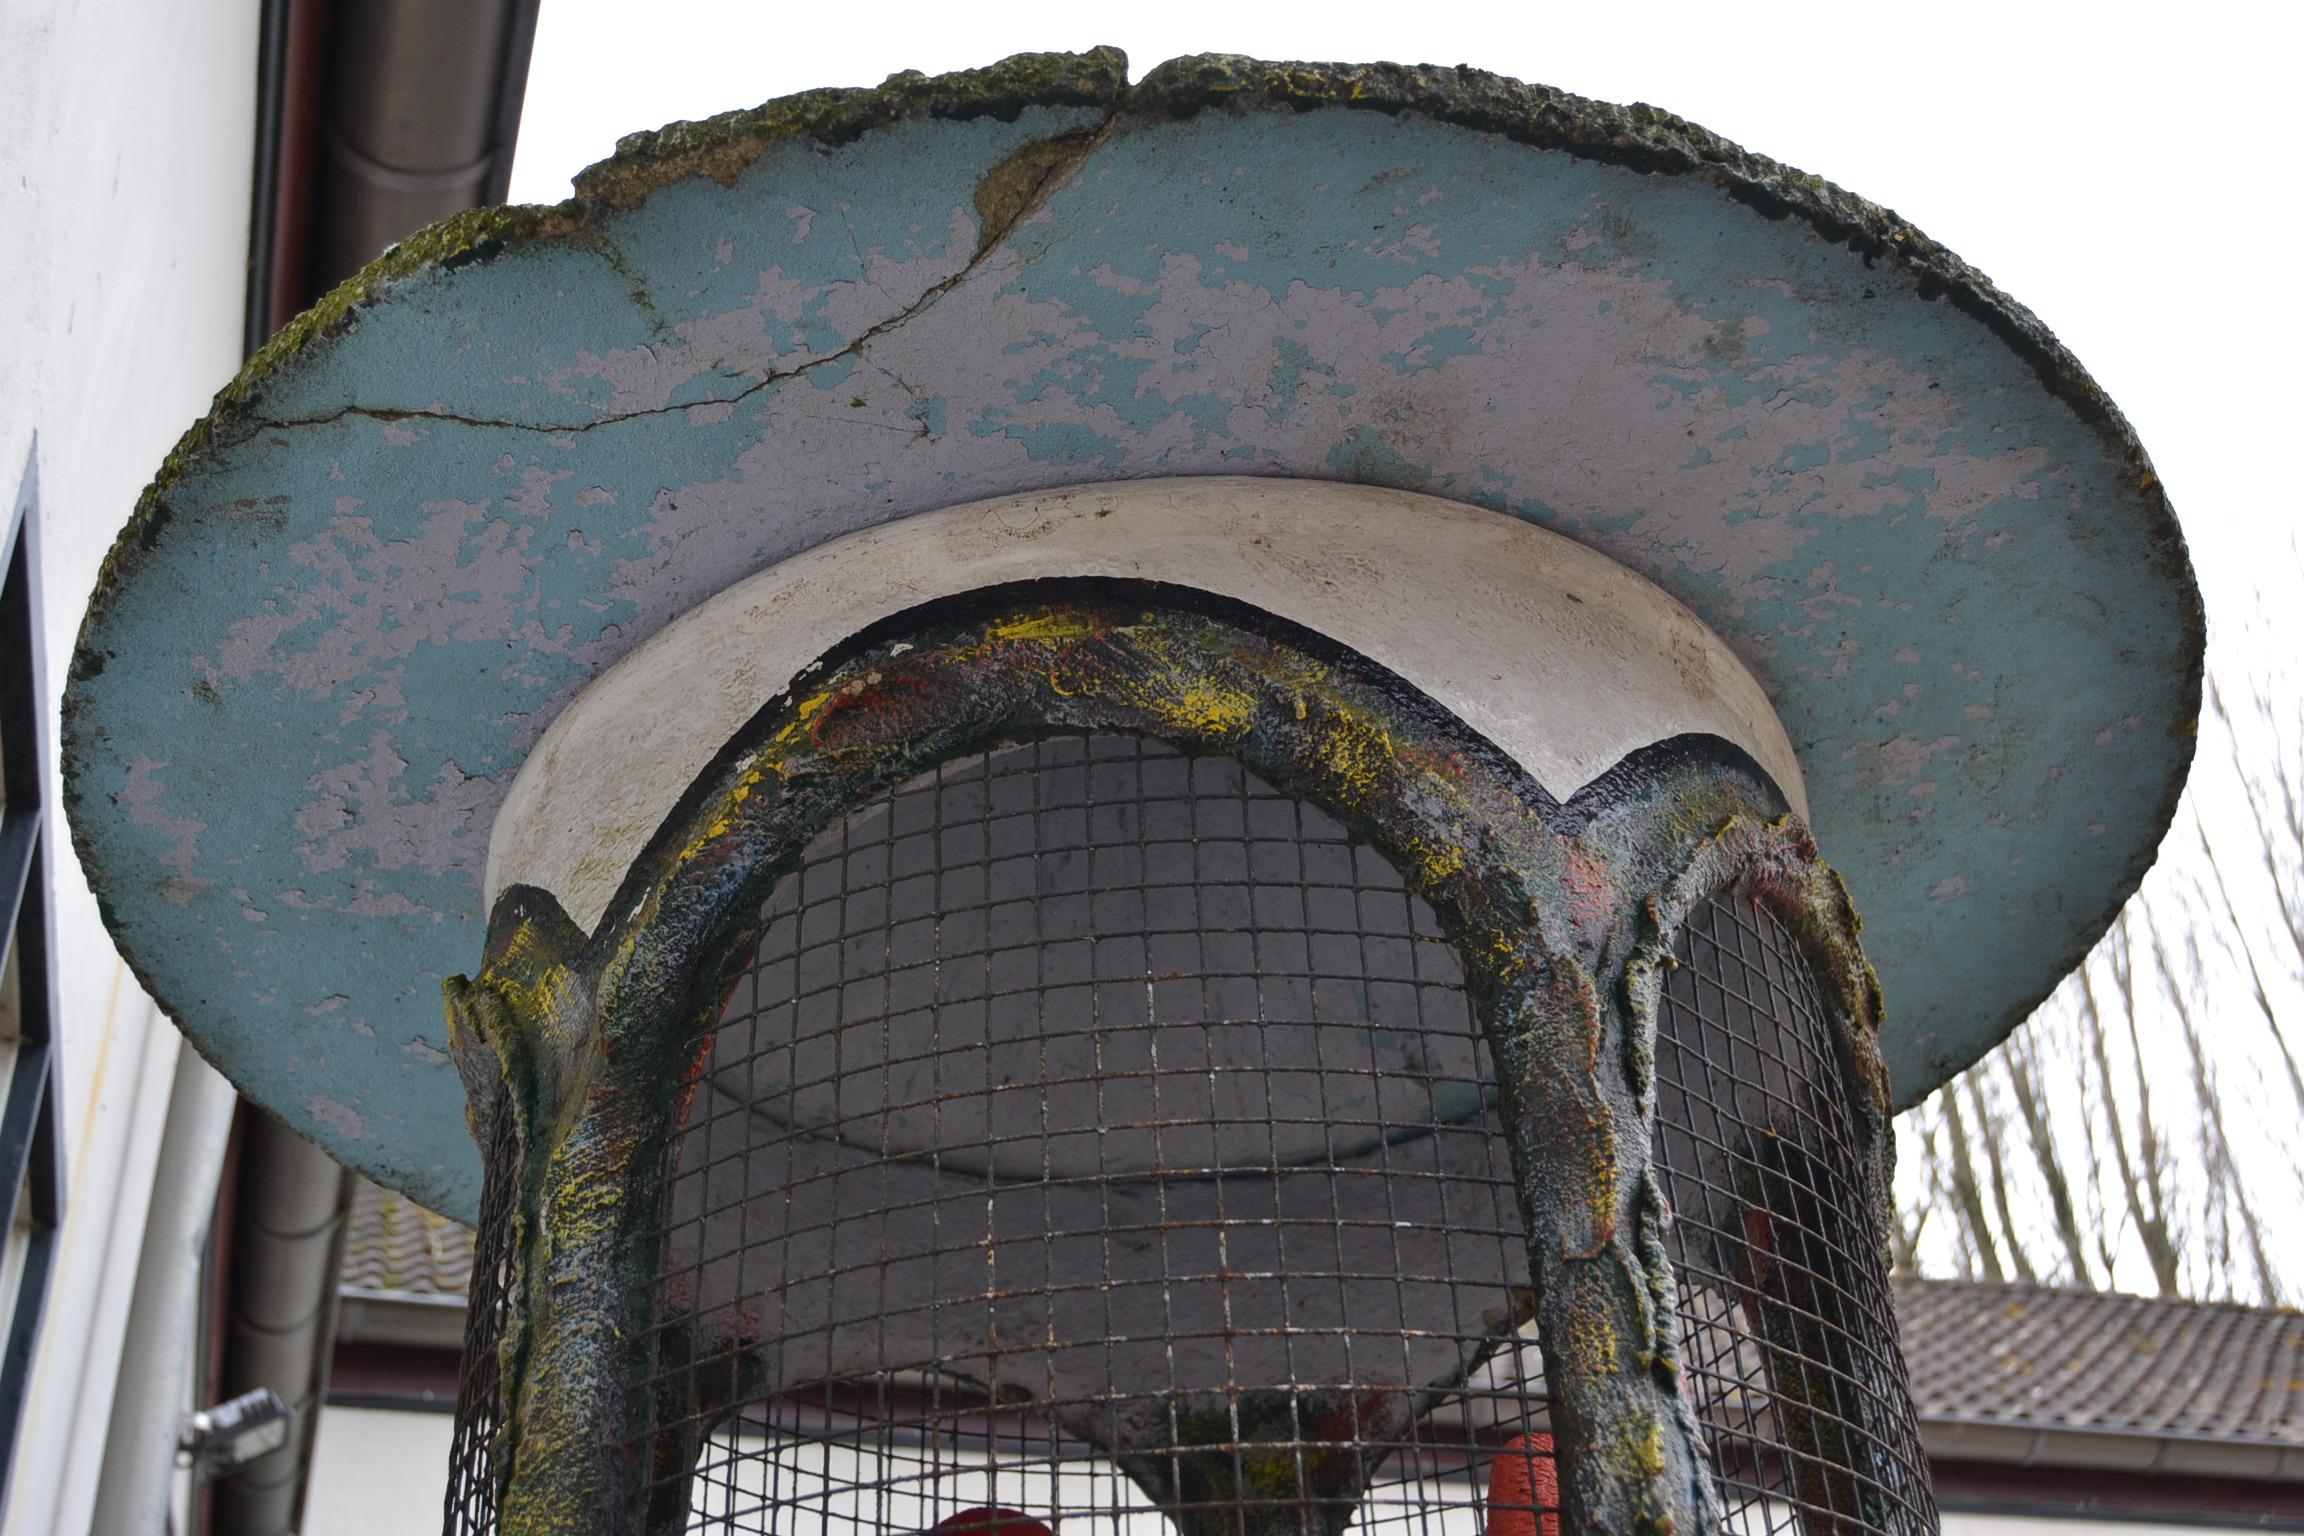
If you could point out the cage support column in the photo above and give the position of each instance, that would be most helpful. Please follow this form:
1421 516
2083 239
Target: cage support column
1630 1459
1577 1051
575 1040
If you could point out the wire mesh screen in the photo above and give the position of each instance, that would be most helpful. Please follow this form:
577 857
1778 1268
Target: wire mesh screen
472 1480
1099 1139
1787 1331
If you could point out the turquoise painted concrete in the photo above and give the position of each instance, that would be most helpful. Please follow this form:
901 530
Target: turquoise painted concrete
430 531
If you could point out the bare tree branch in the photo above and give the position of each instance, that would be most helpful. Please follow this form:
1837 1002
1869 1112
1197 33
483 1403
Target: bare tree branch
1967 1194
1989 1126
2148 1195
2227 1192
2041 1137
2238 928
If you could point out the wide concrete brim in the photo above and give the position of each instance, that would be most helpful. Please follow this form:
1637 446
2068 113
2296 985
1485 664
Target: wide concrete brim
435 508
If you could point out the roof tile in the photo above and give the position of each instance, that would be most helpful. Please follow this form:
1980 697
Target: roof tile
1979 1353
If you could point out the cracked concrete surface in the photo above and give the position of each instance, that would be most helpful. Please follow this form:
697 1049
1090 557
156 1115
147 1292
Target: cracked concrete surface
519 446
1042 166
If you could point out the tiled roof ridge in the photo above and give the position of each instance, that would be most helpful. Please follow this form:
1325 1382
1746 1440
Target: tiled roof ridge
2062 1358
2021 1288
393 1245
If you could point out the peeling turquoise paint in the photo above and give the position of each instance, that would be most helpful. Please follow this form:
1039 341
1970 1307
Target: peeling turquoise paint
353 612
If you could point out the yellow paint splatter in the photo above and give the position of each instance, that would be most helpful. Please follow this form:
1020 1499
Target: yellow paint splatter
1207 710
1059 625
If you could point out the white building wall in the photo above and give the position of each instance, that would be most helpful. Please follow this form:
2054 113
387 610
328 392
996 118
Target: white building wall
2039 1525
126 146
379 1472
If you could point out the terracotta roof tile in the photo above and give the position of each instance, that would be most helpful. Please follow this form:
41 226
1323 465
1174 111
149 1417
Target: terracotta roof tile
393 1244
2036 1357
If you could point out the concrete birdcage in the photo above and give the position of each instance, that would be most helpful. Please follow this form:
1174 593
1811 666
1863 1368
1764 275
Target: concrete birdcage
1137 774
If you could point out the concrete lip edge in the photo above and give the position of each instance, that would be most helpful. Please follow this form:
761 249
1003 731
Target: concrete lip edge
1607 662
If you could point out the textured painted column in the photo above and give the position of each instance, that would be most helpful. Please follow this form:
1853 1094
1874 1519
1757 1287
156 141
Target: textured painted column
583 1056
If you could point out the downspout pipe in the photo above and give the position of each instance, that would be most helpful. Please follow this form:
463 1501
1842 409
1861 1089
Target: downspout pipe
287 1245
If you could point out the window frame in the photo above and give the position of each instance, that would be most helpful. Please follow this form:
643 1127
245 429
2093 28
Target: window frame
31 1139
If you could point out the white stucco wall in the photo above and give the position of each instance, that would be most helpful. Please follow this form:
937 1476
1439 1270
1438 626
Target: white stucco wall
126 140
378 1472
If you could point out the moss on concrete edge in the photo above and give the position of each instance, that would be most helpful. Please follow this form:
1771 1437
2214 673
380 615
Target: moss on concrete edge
474 234
1639 137
1650 140
723 147
719 147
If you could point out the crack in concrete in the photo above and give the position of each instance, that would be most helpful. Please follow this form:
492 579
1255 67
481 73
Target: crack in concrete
1059 171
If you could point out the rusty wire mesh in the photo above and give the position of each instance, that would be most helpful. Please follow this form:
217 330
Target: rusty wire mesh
472 1473
1786 1323
1100 1140
1104 1137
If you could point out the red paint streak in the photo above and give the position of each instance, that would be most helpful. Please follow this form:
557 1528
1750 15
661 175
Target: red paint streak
1351 1421
897 699
1440 762
1591 889
1524 1489
691 1070
1419 758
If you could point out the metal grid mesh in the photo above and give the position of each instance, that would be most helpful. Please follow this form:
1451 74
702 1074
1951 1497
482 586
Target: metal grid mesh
1787 1327
1099 1139
472 1481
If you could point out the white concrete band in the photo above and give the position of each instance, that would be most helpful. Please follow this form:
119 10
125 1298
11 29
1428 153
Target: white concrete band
1556 654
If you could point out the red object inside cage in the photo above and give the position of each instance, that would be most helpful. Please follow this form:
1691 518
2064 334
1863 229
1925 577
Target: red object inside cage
990 1522
1524 1489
